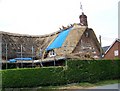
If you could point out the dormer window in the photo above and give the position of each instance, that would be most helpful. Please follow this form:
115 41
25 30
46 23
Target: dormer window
52 53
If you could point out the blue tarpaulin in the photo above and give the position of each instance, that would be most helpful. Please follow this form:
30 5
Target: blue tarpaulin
59 40
12 60
22 59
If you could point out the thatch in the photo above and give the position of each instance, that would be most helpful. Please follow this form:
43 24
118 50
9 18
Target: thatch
71 44
14 42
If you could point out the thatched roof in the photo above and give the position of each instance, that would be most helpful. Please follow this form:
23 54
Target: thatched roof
42 42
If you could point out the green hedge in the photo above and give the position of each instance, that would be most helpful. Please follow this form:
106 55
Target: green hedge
92 70
77 71
9 65
32 77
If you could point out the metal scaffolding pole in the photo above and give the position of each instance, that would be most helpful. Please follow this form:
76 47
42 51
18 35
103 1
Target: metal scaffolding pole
0 62
21 56
6 54
41 57
65 56
32 56
54 61
0 57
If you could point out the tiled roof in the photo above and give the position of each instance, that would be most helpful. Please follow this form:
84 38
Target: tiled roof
105 48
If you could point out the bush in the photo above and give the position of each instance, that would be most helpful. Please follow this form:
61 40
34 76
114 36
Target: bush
9 65
32 77
77 71
92 70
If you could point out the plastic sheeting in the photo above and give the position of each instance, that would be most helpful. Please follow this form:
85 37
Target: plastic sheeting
22 59
12 60
59 40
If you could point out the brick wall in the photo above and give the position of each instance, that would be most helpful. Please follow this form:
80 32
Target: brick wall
111 52
87 45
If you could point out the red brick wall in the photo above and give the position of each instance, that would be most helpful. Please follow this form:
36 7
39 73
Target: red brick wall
89 45
119 48
110 53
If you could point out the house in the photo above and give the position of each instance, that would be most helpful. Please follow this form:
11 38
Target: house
113 52
75 41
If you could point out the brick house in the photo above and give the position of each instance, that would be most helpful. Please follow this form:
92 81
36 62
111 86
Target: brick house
113 51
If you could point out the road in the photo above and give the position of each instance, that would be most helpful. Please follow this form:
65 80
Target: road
111 86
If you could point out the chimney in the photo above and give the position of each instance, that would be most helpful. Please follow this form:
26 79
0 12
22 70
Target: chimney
83 20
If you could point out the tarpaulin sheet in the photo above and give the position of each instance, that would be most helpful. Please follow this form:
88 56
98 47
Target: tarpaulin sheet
22 59
59 40
12 60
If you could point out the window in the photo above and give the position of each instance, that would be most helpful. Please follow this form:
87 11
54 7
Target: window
52 53
116 53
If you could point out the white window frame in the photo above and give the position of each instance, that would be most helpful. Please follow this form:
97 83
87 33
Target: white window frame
52 53
116 53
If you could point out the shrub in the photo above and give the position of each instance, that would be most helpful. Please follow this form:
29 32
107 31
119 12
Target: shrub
77 71
92 70
9 65
30 77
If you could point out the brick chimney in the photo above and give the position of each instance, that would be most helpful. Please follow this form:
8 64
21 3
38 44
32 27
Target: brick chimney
83 20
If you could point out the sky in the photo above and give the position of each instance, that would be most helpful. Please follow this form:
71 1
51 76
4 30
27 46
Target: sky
40 17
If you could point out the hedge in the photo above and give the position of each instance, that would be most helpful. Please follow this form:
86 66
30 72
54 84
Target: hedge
92 70
32 77
77 71
9 65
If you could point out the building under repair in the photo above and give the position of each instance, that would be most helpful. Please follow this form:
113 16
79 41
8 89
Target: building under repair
74 41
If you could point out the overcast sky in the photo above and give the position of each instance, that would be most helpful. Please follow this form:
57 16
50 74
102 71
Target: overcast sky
39 17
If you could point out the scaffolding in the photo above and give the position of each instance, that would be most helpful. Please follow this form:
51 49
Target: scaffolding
19 52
